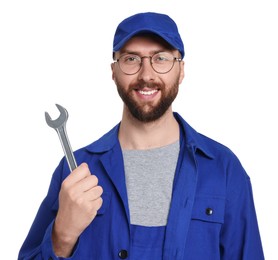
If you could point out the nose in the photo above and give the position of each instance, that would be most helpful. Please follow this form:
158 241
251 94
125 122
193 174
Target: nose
146 73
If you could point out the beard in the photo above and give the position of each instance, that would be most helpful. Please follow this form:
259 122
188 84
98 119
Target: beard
147 111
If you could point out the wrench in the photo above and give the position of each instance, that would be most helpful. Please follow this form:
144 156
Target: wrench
59 125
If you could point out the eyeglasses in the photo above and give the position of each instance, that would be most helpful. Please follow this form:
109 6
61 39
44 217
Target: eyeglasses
161 62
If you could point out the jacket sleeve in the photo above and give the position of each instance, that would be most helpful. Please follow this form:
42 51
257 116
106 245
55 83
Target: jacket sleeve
37 244
240 237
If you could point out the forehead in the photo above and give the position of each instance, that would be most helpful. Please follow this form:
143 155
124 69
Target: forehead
142 42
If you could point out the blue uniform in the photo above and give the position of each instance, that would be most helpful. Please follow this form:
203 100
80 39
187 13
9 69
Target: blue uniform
212 214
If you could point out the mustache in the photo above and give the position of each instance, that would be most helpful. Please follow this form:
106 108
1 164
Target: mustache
142 85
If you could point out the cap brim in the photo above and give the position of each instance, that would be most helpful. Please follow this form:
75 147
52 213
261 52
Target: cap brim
120 44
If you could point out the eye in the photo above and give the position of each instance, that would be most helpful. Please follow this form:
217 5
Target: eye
162 57
130 59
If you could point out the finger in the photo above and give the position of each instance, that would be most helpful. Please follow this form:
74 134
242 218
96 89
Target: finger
81 172
87 183
94 193
96 204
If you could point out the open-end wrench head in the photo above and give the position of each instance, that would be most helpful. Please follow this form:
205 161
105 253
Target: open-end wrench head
60 121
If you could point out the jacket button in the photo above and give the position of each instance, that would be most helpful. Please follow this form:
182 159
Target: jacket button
123 254
209 211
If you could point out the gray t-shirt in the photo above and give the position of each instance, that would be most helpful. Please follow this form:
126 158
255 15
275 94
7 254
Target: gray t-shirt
149 181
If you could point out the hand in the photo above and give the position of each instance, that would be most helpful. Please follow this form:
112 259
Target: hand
79 201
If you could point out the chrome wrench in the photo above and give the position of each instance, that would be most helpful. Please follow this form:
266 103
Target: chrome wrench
59 125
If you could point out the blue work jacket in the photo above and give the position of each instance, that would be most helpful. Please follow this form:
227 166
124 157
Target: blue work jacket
212 214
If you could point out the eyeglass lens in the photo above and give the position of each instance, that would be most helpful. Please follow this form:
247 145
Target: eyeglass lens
161 62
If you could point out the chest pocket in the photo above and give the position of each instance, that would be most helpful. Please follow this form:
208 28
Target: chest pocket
209 209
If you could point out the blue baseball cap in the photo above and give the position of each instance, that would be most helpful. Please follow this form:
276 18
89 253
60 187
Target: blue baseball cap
149 22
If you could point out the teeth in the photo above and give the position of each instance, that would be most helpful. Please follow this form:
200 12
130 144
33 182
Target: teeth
147 93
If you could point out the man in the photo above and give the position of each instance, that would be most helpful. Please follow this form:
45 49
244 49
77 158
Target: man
152 187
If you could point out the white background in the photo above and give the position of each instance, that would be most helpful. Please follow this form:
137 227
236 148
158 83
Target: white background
60 52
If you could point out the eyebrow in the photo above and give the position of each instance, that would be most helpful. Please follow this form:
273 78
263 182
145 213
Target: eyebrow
126 51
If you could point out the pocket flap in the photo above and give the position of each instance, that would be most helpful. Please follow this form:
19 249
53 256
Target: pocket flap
209 208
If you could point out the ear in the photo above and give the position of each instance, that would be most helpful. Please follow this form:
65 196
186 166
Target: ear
181 77
112 68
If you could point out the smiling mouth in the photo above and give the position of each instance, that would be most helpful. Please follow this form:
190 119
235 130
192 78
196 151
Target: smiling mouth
147 92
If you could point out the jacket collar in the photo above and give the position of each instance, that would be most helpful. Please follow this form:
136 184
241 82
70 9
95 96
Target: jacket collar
192 139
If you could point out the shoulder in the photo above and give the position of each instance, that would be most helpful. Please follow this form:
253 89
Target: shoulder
210 152
204 144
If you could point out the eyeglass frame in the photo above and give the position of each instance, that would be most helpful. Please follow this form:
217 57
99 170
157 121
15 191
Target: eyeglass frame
150 57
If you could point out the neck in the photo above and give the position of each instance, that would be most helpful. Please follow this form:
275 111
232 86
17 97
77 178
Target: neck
134 134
